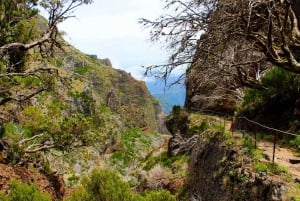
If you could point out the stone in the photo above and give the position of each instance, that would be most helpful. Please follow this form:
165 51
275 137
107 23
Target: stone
178 145
294 160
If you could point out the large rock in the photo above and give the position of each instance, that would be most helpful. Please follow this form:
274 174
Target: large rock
204 93
182 141
178 145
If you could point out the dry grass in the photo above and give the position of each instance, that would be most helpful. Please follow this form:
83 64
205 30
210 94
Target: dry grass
158 177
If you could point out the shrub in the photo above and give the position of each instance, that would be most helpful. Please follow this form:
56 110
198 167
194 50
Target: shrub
134 144
277 81
24 192
261 167
165 160
15 131
157 177
79 194
270 167
296 142
3 197
161 195
248 143
105 185
82 70
199 129
277 169
35 119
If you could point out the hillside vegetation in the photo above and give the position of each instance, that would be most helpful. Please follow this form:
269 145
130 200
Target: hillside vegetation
74 128
64 113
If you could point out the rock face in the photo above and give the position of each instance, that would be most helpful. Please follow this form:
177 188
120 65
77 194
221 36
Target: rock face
181 142
106 62
216 174
209 93
219 170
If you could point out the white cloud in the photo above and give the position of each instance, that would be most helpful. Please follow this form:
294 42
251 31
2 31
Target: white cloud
110 29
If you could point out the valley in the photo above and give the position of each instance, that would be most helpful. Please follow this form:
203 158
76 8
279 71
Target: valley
75 127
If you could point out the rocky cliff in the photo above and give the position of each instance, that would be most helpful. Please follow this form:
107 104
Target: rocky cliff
223 166
210 86
85 83
221 172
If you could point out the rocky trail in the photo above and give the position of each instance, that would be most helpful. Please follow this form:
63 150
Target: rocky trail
283 155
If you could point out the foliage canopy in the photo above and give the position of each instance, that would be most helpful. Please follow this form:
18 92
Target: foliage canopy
22 32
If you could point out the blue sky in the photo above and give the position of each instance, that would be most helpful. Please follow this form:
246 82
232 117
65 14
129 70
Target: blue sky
110 29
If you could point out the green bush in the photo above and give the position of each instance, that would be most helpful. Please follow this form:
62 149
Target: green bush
79 194
261 167
277 82
296 142
3 197
133 144
248 143
82 70
270 167
161 195
15 131
24 192
105 185
57 128
176 109
276 169
199 129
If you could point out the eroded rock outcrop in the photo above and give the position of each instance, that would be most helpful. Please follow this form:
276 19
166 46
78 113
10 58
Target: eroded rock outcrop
219 168
206 93
182 141
221 172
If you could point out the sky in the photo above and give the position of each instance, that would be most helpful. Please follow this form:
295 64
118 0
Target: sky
110 29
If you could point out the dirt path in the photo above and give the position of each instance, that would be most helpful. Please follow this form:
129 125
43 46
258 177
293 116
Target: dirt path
282 154
282 157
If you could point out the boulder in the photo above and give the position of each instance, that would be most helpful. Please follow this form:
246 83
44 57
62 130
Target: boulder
178 145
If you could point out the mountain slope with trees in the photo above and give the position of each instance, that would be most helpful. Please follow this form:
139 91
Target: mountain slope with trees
63 112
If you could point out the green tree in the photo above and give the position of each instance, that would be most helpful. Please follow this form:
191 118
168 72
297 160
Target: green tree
24 33
50 128
22 29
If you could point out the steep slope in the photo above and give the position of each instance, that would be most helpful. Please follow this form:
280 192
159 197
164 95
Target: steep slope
210 86
225 165
84 84
78 122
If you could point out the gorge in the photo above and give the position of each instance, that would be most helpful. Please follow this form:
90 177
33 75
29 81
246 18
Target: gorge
73 127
